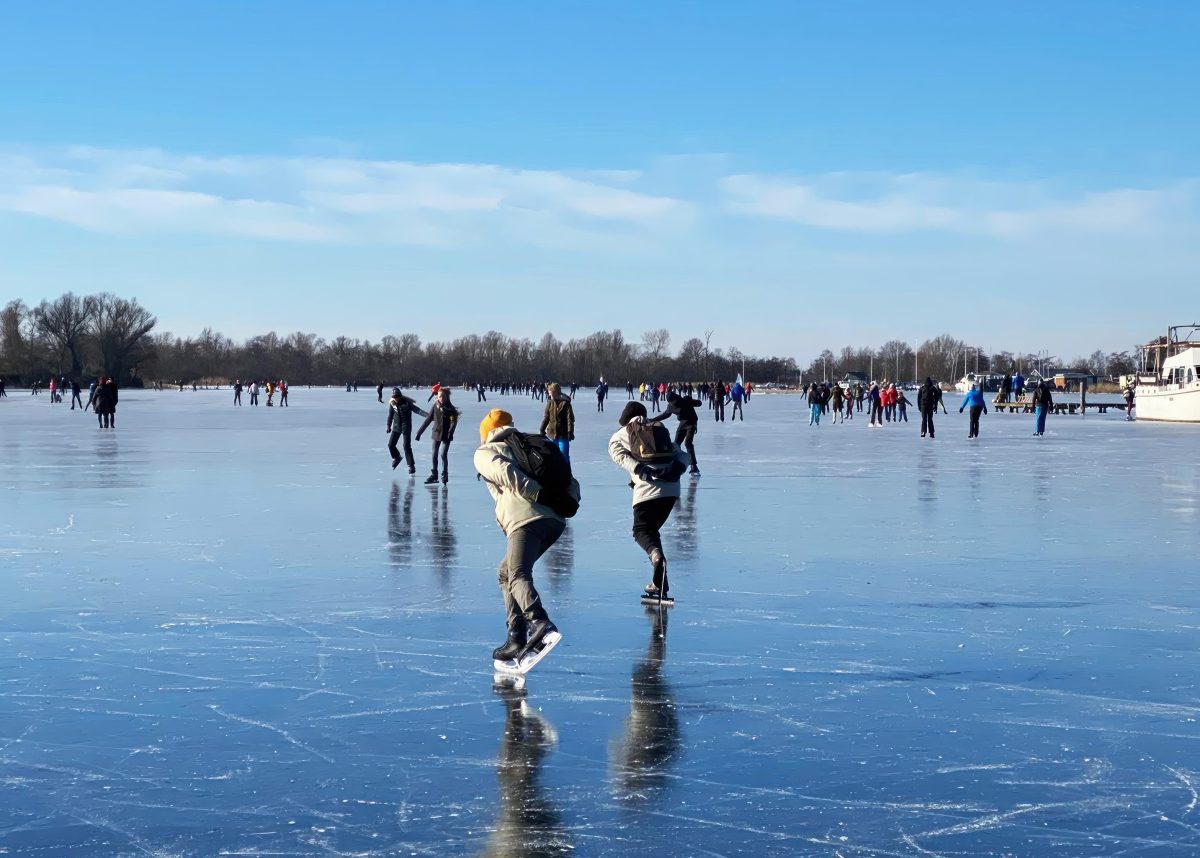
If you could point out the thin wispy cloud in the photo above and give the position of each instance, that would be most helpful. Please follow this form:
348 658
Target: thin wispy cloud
364 201
880 203
316 199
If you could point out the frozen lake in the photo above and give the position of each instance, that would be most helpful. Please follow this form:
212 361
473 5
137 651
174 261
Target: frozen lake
237 632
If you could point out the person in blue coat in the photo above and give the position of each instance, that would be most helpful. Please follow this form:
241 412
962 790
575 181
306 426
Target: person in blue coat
975 401
737 393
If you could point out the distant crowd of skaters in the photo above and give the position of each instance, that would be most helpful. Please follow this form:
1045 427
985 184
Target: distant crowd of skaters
102 396
887 403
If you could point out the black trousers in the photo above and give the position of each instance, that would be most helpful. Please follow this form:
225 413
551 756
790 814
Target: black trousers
648 519
684 435
444 446
719 410
975 410
408 453
927 422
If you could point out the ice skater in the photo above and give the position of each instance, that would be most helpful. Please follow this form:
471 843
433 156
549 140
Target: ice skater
1043 401
654 466
602 393
876 408
975 401
525 511
76 394
814 404
237 392
683 408
444 418
558 421
399 426
929 397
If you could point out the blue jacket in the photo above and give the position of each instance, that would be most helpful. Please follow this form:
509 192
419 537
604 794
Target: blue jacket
973 399
737 393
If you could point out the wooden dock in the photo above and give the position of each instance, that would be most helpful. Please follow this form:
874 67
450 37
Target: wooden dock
1026 407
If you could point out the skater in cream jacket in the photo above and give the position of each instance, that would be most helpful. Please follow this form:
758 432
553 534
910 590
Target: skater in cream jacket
531 526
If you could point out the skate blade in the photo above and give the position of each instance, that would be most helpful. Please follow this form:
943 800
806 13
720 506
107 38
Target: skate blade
654 601
529 661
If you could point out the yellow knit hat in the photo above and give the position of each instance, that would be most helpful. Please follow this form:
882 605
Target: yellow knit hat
494 420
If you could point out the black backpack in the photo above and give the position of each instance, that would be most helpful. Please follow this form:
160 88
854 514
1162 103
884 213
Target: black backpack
651 443
539 458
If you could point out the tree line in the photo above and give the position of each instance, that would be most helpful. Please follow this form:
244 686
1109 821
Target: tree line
80 336
104 334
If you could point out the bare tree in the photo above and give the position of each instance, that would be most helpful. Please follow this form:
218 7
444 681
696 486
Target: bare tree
691 358
119 327
656 343
65 322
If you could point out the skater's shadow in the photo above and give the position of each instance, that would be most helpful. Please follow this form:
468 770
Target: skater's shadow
685 538
1041 485
643 756
400 527
528 823
560 562
105 466
442 542
927 487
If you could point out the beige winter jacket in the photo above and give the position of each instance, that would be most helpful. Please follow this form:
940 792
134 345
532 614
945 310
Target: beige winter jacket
514 493
643 490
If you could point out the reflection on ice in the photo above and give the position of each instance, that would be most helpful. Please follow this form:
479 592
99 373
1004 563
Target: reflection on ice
652 737
528 824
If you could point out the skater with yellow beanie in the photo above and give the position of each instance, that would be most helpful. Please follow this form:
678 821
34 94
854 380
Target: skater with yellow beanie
532 515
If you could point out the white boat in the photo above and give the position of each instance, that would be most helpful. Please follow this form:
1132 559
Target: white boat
1168 385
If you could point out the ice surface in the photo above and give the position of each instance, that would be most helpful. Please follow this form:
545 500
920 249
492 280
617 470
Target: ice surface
238 632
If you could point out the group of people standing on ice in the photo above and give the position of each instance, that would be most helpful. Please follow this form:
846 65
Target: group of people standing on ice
102 397
442 416
254 388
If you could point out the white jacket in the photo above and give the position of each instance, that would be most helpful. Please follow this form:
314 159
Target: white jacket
643 490
513 491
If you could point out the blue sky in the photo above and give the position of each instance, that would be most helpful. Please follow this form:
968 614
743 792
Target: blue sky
792 175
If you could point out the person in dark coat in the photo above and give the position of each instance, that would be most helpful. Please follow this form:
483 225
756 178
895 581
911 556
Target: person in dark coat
399 425
929 397
444 418
683 409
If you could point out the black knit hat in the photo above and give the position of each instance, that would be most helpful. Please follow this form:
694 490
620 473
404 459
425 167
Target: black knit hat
631 410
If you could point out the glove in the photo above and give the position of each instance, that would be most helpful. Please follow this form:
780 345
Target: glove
571 436
546 497
644 472
960 411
